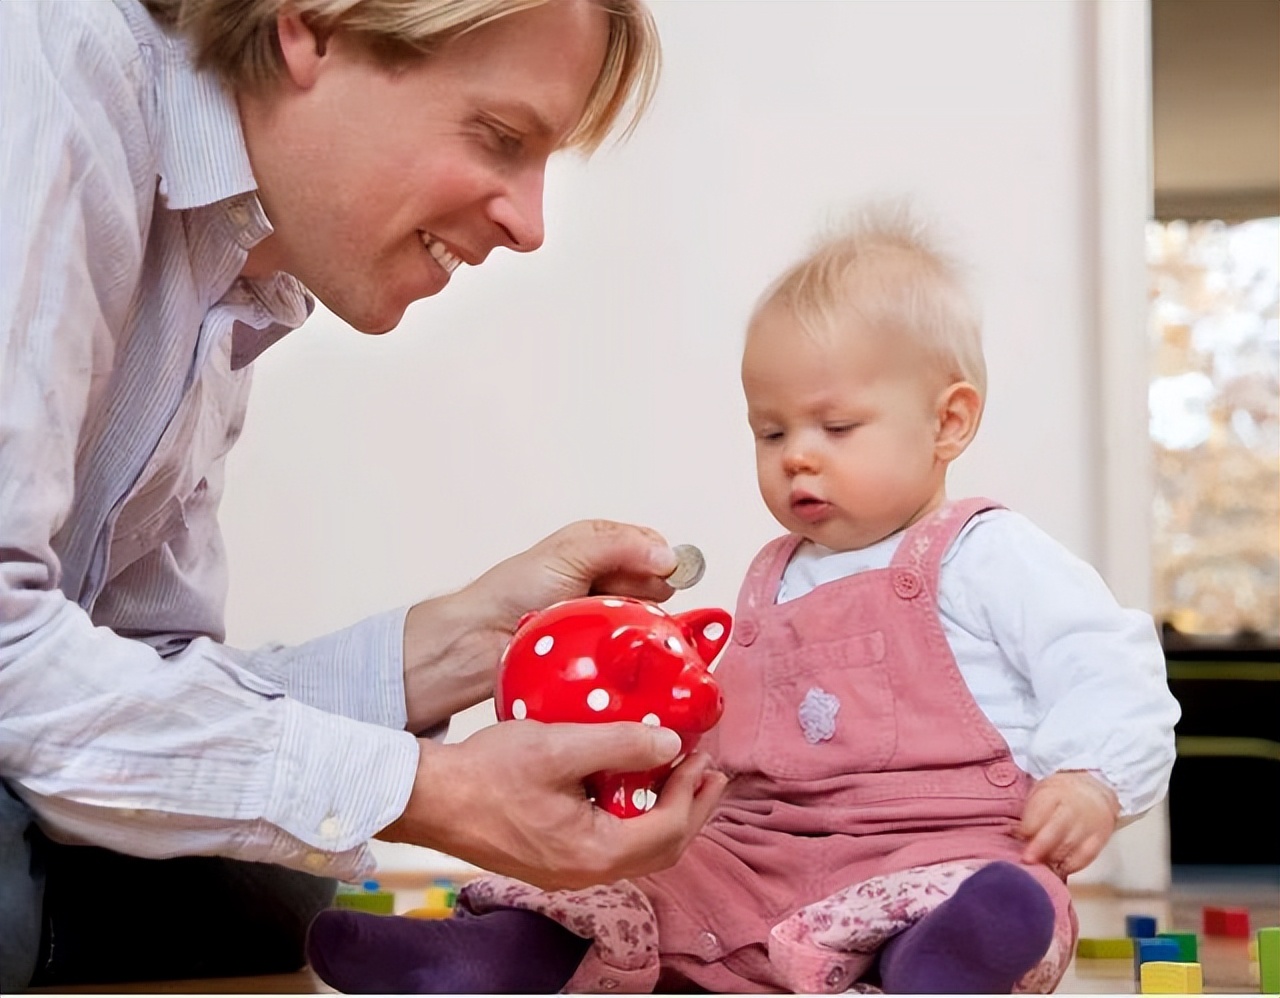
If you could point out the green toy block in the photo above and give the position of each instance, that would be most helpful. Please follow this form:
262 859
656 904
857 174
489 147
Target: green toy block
1269 959
378 902
1105 949
1188 945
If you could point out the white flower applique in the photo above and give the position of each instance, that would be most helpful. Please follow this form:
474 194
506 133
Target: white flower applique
818 715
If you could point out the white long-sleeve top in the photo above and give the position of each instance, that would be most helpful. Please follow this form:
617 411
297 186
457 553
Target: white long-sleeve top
127 209
1070 678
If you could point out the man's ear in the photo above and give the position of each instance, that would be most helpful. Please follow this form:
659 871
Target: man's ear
303 49
959 411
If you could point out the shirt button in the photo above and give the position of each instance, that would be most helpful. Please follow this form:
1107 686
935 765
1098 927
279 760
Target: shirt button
239 213
745 632
315 861
907 583
330 828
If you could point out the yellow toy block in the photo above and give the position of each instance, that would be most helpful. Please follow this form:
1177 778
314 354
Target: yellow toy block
1160 977
1105 949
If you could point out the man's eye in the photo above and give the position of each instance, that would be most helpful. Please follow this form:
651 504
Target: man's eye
506 141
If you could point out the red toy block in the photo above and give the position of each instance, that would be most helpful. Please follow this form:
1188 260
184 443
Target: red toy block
1232 922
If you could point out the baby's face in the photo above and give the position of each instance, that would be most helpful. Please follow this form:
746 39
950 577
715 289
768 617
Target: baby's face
845 430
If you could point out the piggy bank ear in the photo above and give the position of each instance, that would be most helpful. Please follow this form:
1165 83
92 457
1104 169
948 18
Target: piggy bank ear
707 629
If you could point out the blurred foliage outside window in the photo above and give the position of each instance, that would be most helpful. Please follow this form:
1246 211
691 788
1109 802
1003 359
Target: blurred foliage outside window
1214 408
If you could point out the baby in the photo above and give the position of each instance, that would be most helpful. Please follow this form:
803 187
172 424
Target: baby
934 713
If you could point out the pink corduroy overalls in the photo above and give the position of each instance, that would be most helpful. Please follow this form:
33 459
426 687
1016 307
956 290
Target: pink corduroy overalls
866 785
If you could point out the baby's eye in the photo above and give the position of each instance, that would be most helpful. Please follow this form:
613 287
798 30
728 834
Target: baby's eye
838 429
768 435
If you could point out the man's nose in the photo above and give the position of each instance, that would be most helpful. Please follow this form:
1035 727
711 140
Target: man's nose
518 211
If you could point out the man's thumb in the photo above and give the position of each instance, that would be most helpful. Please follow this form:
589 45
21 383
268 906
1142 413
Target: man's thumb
627 746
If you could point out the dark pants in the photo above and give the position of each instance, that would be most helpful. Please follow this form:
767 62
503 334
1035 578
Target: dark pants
80 915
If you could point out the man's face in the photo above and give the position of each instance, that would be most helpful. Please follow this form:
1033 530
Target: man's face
378 182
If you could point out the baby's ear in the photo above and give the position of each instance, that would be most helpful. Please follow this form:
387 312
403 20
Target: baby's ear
959 412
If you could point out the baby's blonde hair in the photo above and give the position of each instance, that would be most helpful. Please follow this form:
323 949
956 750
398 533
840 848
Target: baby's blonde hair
883 270
237 40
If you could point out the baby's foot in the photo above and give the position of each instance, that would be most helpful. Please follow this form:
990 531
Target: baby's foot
508 951
981 940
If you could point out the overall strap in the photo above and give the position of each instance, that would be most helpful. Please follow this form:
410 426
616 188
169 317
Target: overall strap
926 542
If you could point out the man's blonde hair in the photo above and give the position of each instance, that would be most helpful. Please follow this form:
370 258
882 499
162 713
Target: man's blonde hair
237 39
883 270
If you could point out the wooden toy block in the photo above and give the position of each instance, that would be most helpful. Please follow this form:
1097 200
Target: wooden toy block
1104 949
378 902
1226 922
1269 959
1140 926
1153 951
1188 945
1160 977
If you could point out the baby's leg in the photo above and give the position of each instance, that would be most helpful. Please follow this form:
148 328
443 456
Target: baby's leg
507 951
981 940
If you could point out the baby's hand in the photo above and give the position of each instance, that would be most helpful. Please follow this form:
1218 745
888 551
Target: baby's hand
1069 817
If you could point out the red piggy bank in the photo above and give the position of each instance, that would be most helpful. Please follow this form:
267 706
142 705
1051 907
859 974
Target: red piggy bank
611 658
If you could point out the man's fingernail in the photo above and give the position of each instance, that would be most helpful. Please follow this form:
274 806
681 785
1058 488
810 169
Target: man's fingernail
667 742
661 559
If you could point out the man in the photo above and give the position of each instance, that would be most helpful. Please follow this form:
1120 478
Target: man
176 187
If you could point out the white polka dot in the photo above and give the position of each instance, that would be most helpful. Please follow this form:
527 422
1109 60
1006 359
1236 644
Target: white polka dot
657 611
614 602
519 710
650 719
640 798
674 644
713 631
598 699
543 644
650 798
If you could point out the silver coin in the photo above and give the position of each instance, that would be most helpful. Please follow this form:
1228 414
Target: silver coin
689 567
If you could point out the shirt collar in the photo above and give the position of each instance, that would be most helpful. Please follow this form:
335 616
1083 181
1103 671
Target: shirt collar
201 151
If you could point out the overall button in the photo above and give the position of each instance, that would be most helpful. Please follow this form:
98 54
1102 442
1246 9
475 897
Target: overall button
907 583
710 945
607 984
745 632
1002 774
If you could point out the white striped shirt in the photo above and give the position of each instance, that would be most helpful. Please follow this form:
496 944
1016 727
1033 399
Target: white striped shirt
1070 678
127 209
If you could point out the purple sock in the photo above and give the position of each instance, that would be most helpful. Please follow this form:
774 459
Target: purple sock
981 940
508 951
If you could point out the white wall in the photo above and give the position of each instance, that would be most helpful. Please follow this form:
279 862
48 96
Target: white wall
598 377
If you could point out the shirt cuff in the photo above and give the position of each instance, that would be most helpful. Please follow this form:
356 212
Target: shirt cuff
357 672
336 783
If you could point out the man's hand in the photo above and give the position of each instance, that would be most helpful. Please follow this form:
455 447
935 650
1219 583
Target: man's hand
452 643
510 799
1069 817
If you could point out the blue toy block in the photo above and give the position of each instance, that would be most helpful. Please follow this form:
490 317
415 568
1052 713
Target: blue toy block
1140 926
1151 950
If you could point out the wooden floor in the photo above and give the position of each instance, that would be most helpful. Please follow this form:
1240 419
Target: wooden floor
1226 963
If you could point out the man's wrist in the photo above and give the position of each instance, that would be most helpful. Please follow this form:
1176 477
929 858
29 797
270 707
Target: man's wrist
451 647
